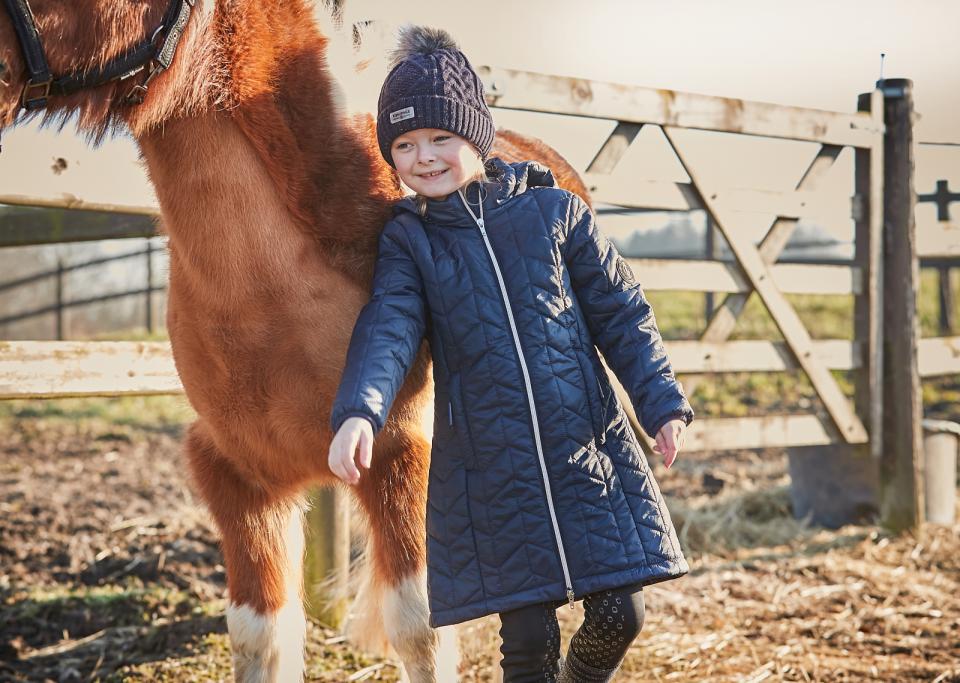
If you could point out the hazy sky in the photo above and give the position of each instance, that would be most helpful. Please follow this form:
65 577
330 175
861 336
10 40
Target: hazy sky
814 53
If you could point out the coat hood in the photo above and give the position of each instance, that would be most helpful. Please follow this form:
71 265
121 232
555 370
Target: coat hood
507 180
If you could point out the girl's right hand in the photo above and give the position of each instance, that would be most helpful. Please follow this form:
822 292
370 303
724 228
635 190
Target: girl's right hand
670 440
353 431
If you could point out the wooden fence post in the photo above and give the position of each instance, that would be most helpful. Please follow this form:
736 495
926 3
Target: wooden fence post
947 323
711 253
59 298
148 297
901 475
327 562
868 255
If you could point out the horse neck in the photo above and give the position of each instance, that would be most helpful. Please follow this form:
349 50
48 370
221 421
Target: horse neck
222 214
248 186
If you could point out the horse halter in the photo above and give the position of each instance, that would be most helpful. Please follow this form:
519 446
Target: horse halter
149 58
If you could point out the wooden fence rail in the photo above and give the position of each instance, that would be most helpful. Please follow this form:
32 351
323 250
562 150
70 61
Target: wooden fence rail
57 369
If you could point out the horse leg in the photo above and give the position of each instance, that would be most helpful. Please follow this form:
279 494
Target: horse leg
393 495
262 542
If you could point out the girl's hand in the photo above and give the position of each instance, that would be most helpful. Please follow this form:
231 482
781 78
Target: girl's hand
670 440
354 430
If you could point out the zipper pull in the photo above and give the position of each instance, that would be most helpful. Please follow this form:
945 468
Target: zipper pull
570 597
450 411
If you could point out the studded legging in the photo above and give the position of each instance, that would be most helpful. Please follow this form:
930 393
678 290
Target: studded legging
531 638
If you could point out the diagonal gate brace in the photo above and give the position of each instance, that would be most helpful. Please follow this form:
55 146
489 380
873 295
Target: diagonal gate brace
757 271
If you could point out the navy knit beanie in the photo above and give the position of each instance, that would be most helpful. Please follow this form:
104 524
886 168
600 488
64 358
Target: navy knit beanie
432 85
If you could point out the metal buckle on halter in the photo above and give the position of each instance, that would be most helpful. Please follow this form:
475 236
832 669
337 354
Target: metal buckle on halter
33 102
138 92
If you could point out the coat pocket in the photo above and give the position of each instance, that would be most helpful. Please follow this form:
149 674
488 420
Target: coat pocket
604 397
603 390
460 425
592 391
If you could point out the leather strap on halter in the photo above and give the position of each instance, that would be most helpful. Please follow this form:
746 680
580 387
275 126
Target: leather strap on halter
148 58
32 49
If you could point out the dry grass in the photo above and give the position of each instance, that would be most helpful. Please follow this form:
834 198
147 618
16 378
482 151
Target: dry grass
128 586
846 605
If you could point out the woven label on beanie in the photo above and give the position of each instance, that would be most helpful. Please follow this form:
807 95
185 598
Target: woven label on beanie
401 115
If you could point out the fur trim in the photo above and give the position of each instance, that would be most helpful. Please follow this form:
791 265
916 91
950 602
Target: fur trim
422 40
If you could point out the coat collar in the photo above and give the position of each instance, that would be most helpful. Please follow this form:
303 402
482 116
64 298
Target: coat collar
507 180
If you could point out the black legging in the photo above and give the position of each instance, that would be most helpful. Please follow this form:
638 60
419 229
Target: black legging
531 637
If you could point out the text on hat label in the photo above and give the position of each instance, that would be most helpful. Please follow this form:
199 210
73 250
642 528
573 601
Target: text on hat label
401 114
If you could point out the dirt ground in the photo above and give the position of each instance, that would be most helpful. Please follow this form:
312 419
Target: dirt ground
110 571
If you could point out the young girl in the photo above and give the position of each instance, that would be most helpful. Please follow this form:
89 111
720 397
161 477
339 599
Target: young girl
538 494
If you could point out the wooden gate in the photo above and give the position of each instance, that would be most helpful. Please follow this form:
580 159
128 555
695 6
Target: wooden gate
755 268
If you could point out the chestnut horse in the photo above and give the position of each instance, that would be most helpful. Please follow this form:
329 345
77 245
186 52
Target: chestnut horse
272 195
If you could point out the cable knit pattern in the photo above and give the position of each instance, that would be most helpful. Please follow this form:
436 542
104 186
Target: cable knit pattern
435 87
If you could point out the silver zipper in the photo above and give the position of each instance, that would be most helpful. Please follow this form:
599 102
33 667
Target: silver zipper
526 379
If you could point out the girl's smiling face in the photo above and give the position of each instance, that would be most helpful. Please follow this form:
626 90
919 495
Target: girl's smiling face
434 162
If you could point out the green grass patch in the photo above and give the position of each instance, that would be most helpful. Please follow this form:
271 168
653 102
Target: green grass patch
682 315
141 412
83 610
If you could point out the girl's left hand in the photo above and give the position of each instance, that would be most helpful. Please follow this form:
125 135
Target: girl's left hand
670 440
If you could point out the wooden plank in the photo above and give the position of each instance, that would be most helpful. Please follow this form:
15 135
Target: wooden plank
581 97
71 201
755 356
39 369
868 247
326 562
772 431
901 473
641 194
614 148
939 356
29 226
945 300
719 276
939 238
724 319
786 319
790 204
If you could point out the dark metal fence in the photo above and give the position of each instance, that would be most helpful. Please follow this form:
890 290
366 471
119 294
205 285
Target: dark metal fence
61 303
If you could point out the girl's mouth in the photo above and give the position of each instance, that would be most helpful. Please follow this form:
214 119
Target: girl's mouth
433 175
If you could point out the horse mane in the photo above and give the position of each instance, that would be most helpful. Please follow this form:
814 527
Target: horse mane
263 65
102 30
322 156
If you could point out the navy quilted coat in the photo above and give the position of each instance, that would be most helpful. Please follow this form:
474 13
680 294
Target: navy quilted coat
538 490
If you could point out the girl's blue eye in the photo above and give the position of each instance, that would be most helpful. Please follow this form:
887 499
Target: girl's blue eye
441 138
